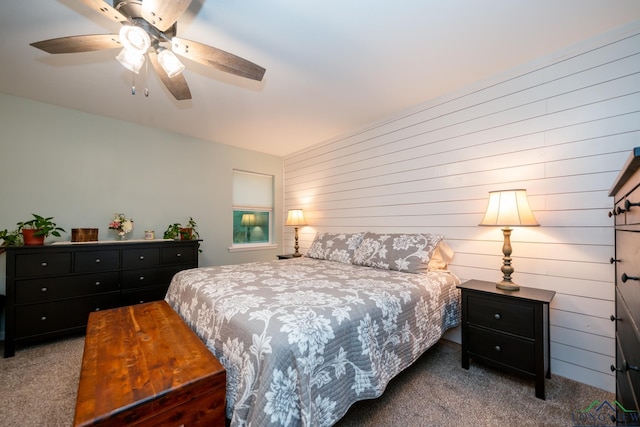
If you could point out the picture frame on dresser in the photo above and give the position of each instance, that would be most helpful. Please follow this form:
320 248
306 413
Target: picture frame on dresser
626 213
51 289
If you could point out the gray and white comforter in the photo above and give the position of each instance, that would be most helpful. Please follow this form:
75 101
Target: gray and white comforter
303 339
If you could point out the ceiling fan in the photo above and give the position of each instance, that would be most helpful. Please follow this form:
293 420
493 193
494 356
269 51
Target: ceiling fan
149 28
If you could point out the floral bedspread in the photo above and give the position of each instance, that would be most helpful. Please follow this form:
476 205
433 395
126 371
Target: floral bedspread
303 339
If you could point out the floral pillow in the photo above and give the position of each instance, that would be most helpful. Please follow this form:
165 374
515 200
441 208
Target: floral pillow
338 247
402 252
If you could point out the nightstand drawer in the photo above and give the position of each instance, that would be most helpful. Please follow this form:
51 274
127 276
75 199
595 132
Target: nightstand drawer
508 350
502 315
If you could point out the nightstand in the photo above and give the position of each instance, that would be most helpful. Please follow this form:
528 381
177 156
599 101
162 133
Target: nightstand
508 330
285 256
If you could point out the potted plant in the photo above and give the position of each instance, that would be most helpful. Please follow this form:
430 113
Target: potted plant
177 231
10 238
35 230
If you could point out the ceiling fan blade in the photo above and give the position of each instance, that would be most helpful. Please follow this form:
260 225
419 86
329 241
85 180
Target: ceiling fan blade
105 10
74 44
217 58
177 85
162 14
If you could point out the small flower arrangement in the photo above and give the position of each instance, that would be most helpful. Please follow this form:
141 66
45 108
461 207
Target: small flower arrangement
121 224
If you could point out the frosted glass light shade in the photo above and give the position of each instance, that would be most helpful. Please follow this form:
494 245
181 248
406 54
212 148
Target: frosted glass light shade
509 208
134 39
132 61
170 63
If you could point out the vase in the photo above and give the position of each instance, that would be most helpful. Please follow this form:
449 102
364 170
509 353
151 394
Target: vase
121 236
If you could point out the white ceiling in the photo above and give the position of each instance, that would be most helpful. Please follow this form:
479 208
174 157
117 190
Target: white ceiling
333 66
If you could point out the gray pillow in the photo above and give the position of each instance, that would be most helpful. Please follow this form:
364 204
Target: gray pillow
402 252
338 247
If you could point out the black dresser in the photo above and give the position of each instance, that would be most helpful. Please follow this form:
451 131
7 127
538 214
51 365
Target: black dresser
52 289
626 194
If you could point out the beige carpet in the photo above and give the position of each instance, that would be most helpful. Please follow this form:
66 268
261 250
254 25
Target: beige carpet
38 388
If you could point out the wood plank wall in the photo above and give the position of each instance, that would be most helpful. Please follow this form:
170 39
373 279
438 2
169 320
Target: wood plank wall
561 128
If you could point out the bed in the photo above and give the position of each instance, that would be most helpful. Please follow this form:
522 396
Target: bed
303 339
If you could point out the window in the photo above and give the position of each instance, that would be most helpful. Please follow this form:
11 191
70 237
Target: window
252 208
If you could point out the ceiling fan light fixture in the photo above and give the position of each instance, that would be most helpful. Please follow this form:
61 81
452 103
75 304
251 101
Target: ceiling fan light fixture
135 39
170 63
132 61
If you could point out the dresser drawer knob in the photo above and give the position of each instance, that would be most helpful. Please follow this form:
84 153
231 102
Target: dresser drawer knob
498 348
624 277
619 210
612 260
178 254
97 260
497 316
44 289
43 318
141 257
628 204
613 318
141 278
44 264
97 309
98 283
631 367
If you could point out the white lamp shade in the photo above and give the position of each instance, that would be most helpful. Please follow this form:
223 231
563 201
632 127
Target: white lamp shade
134 39
295 218
248 220
509 208
170 63
132 61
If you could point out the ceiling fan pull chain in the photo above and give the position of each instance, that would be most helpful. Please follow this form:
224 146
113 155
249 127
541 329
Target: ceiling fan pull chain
146 76
133 83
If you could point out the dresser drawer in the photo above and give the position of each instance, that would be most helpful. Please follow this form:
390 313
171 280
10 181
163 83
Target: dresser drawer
155 293
632 215
40 319
144 278
39 290
93 261
628 339
628 255
178 255
43 264
506 349
140 258
626 390
502 315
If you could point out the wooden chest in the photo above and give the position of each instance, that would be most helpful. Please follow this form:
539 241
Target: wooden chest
143 366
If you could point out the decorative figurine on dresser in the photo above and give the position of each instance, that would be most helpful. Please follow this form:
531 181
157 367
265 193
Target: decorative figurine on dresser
626 194
51 289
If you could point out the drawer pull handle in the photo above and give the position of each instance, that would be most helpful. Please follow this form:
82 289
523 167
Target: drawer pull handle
497 348
619 210
97 260
611 213
628 204
43 318
497 316
624 277
141 257
141 278
44 264
44 289
97 309
98 283
613 318
614 369
141 302
178 254
612 260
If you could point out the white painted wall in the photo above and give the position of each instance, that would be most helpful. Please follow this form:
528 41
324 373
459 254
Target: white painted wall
561 128
81 169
